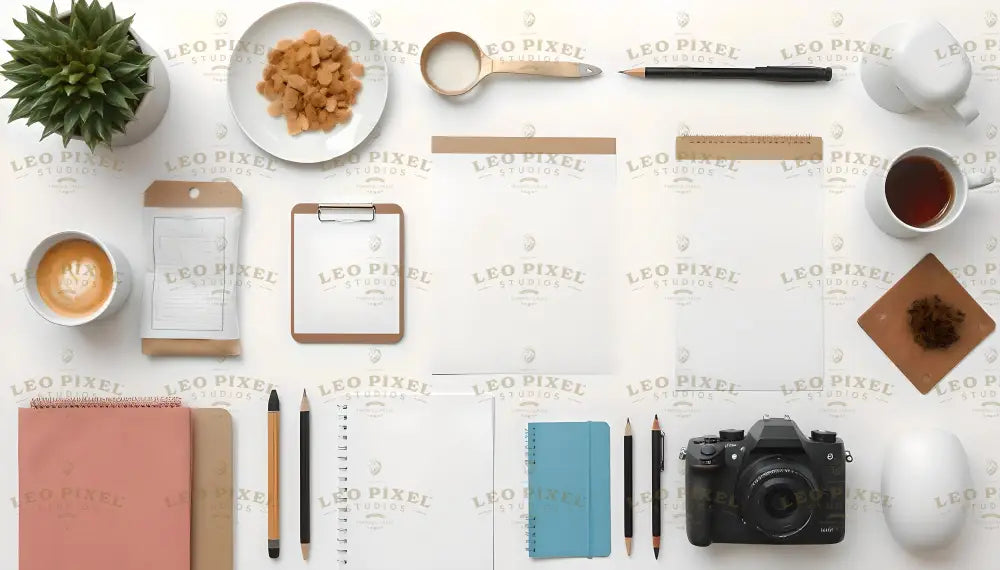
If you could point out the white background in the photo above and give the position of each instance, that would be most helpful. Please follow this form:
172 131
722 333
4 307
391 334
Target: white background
645 117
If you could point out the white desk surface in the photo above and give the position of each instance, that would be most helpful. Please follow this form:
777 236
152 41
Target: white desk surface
46 188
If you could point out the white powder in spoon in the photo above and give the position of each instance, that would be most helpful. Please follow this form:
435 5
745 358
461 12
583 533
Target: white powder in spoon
453 65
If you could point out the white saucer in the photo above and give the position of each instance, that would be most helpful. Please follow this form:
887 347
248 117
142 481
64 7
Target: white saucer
271 133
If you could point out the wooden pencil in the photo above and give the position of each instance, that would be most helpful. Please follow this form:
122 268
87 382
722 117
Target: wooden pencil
273 464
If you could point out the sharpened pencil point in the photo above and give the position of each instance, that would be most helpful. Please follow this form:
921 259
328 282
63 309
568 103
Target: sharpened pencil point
305 552
620 71
656 553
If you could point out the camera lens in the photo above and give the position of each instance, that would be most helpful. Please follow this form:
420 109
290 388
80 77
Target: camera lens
778 496
780 503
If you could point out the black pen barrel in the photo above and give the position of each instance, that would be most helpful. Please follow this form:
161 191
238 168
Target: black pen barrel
783 74
304 499
657 471
628 486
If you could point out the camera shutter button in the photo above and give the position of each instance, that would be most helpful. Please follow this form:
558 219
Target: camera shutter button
731 434
823 436
708 450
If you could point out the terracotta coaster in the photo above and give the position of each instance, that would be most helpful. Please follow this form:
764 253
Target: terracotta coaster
887 323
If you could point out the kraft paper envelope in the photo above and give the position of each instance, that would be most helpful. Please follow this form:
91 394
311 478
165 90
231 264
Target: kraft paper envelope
212 499
523 242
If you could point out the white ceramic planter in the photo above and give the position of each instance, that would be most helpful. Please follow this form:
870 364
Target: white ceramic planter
154 104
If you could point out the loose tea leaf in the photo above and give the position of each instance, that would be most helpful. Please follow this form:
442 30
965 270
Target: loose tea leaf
934 323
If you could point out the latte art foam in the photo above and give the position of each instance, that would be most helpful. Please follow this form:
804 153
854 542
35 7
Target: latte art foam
75 278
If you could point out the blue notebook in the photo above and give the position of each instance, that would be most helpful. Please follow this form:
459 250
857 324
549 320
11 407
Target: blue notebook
569 484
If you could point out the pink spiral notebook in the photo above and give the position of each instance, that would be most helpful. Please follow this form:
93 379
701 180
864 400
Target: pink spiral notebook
105 484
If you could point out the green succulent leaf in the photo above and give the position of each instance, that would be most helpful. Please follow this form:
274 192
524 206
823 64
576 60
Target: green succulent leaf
71 118
25 90
102 74
113 97
94 86
85 108
51 129
141 88
59 107
126 71
44 103
20 111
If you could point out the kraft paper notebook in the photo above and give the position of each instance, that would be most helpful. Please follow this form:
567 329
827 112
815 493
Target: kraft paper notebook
105 484
569 486
748 289
347 273
405 484
523 237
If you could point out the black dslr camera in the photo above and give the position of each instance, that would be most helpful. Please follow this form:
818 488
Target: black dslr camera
772 486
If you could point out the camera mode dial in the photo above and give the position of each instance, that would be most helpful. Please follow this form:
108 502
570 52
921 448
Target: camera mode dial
823 436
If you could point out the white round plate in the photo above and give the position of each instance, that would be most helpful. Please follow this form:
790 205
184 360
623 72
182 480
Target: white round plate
271 133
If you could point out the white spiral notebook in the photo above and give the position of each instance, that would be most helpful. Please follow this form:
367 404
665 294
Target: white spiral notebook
406 486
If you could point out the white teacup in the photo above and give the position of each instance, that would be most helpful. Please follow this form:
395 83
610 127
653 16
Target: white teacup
883 216
73 278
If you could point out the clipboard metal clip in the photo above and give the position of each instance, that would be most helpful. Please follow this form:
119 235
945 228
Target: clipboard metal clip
346 212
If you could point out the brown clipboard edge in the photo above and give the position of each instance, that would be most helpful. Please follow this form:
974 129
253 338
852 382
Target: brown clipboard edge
748 147
521 145
350 338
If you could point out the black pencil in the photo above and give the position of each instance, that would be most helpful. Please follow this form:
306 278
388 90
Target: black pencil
657 455
781 74
628 488
304 475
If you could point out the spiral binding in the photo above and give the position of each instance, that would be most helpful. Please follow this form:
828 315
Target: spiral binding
135 402
529 462
342 508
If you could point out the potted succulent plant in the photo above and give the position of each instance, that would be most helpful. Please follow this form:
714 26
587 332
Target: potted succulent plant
85 74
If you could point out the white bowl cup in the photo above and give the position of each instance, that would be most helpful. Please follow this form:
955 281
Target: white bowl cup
886 220
120 288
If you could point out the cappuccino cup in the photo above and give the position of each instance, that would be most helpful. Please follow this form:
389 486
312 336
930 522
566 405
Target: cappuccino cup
73 278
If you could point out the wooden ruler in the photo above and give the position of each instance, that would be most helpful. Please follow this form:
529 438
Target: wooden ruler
750 147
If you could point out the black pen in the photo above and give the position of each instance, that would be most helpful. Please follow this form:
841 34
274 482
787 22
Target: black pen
628 488
778 73
304 504
657 454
